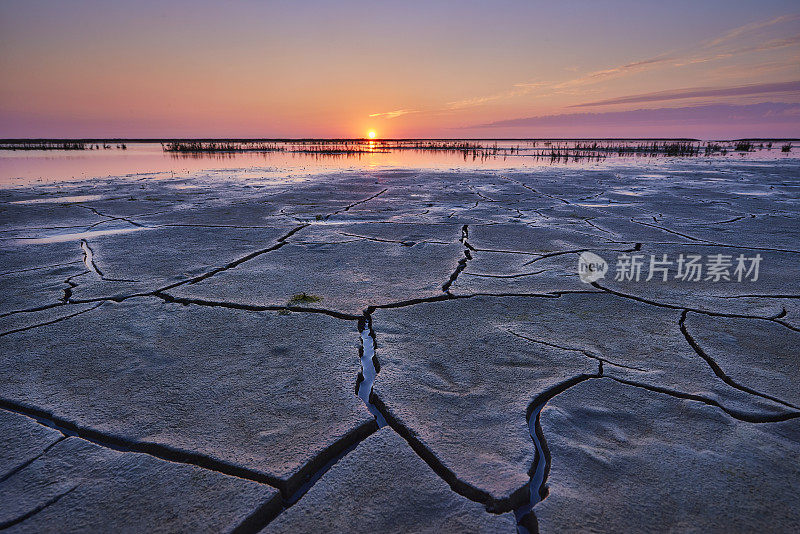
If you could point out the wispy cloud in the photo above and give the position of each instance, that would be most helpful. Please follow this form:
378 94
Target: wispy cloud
749 28
393 114
697 92
773 44
771 112
725 46
742 40
517 90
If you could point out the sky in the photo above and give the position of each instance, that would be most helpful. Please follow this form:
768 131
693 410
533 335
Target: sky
708 69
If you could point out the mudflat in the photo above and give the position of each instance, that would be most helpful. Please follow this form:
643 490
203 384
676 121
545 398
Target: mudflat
594 348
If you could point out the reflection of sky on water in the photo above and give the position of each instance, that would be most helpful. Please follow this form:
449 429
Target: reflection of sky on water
19 168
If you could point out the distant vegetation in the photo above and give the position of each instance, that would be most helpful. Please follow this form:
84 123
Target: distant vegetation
222 146
554 150
540 149
43 145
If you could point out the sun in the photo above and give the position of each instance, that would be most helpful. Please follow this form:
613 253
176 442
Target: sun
371 134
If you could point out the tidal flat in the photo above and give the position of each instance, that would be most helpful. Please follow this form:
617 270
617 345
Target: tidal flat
400 345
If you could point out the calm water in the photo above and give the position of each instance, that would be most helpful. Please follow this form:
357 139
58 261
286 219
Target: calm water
28 167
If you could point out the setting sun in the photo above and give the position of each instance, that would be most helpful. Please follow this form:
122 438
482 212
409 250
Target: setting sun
371 134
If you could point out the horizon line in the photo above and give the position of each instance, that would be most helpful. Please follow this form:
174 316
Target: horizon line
8 140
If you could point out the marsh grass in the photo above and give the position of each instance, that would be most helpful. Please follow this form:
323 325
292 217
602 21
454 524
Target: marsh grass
303 298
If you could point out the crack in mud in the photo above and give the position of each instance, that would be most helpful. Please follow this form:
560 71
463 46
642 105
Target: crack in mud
520 275
172 299
666 305
110 217
741 416
57 265
172 454
281 241
718 370
462 263
714 243
529 188
406 243
56 320
25 464
580 351
17 520
91 265
354 204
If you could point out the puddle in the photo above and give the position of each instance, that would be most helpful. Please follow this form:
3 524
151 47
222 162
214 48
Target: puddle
753 193
608 205
62 238
62 200
626 192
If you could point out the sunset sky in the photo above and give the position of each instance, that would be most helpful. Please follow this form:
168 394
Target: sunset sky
714 69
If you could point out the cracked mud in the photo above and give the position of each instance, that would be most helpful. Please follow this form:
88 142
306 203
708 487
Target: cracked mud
400 351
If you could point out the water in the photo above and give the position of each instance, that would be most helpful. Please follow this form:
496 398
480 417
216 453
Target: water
368 372
26 167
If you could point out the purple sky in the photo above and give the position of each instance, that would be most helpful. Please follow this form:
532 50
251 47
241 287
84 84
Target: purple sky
404 69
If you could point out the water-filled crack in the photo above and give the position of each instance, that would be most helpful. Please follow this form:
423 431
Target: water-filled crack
369 368
88 258
536 490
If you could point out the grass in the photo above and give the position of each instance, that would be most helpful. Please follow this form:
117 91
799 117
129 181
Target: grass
787 147
303 298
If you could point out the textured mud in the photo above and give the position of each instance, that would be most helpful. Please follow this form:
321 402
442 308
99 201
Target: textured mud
401 351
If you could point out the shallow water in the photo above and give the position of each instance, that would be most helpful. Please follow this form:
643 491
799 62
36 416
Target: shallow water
29 167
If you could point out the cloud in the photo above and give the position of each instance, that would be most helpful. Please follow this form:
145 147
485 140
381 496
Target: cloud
737 41
774 44
749 28
695 92
634 66
769 112
393 114
727 45
519 89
